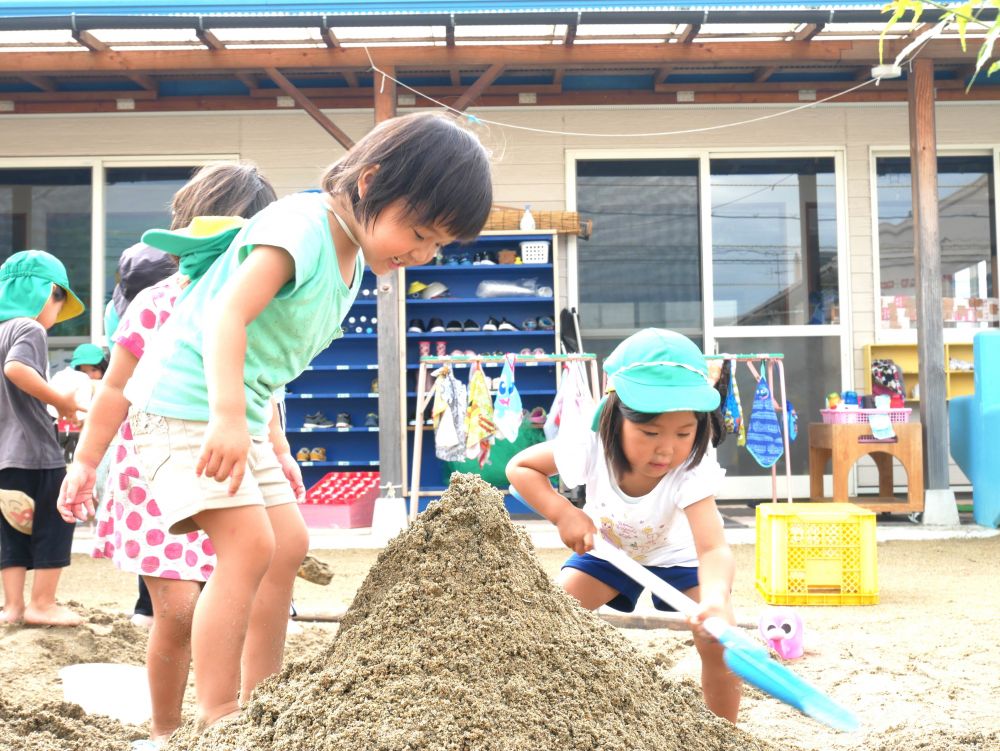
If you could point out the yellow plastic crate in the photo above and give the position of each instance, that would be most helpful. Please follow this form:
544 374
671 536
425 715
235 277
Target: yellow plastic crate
816 554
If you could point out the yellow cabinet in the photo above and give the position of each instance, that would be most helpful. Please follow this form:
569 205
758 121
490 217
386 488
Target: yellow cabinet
958 363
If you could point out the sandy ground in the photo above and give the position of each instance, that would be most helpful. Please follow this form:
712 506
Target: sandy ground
921 669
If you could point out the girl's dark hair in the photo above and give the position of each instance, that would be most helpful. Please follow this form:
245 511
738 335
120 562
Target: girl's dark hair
58 293
102 366
440 170
710 428
222 189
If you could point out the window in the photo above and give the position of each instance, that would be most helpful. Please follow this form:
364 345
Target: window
967 227
774 242
50 209
642 266
135 199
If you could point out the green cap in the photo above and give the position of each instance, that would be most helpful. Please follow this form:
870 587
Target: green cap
87 354
198 244
655 371
26 280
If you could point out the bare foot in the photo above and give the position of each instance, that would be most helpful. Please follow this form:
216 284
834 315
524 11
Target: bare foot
11 617
53 615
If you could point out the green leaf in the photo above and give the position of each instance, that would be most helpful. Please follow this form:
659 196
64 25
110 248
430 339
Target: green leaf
993 68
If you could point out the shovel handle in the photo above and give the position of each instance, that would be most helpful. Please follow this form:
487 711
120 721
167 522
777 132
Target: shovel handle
641 575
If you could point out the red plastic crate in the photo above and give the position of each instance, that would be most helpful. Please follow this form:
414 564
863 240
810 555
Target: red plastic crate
344 500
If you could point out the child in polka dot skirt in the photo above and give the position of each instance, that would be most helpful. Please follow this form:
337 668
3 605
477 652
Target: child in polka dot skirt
130 527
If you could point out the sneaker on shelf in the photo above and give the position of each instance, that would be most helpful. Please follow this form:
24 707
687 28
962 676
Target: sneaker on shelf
545 323
417 326
374 386
415 288
491 324
470 325
506 325
371 420
435 326
453 326
318 454
302 455
317 420
343 420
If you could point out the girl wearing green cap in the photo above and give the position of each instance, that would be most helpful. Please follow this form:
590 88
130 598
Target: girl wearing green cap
651 484
273 301
34 296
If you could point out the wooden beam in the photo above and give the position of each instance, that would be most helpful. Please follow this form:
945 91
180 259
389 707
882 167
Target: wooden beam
148 102
762 74
927 262
449 34
42 83
570 35
314 112
661 74
209 39
858 52
456 77
351 77
329 38
807 33
248 80
482 83
147 82
76 96
89 41
689 33
385 95
327 92
557 77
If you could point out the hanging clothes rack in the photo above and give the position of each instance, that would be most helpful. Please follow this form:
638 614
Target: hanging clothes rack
425 395
770 360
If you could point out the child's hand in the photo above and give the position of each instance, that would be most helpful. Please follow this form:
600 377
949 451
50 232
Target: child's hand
709 607
68 408
293 472
576 529
224 453
76 496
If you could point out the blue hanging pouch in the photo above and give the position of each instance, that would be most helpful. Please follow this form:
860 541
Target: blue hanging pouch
793 421
764 441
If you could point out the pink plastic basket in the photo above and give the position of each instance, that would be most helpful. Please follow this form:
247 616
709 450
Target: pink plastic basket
851 416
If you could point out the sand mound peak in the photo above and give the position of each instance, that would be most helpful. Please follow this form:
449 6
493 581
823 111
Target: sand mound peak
458 640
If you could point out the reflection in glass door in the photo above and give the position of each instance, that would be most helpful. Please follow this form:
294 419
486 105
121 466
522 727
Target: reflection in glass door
642 266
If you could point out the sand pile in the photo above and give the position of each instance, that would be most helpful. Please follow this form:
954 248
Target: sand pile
458 640
57 726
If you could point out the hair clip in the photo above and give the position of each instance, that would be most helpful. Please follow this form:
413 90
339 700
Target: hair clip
473 119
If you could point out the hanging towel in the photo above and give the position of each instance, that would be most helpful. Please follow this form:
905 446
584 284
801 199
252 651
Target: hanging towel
573 408
507 406
448 413
733 411
764 441
479 423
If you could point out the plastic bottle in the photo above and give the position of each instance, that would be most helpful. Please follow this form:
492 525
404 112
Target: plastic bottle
527 220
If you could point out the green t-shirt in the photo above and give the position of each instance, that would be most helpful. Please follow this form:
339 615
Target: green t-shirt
299 323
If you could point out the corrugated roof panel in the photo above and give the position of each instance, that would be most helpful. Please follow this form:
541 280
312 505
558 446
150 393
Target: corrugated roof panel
276 33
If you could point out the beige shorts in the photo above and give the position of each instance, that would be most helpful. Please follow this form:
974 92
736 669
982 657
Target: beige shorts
168 449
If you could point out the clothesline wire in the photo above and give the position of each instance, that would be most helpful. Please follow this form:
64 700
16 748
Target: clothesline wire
546 131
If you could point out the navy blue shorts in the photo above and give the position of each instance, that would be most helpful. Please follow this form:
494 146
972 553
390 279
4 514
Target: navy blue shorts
679 577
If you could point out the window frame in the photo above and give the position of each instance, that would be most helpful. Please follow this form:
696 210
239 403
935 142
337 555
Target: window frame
746 485
98 166
952 335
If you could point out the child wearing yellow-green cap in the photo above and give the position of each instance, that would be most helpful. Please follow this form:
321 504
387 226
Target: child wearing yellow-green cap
34 296
651 483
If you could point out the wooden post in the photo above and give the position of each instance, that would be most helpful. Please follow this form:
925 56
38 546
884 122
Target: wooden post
391 340
939 506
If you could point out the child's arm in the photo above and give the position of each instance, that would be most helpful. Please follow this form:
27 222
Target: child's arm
529 474
227 439
291 468
33 384
107 413
715 560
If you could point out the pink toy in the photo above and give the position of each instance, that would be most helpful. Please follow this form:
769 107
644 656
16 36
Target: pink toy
783 631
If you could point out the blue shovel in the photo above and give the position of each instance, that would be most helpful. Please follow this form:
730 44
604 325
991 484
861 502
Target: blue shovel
745 658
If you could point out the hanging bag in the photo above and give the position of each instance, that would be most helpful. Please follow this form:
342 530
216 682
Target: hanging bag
733 411
764 441
507 405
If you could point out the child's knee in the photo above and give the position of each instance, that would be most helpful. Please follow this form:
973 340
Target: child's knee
292 545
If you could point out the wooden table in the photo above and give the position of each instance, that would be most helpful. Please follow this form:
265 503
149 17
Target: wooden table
843 444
